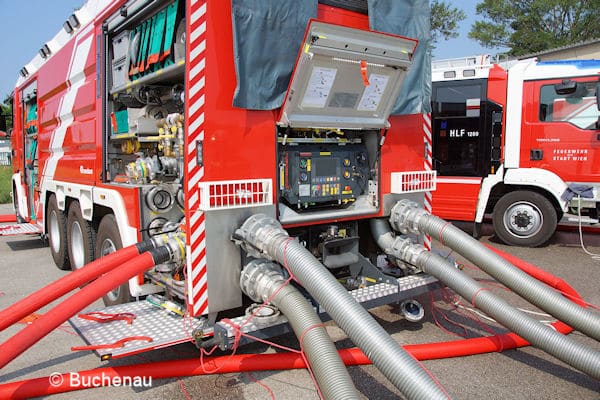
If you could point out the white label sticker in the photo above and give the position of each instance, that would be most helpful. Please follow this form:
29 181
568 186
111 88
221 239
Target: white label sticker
373 93
319 85
303 190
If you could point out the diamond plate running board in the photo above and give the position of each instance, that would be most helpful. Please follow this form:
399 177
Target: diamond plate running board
407 287
165 329
20 229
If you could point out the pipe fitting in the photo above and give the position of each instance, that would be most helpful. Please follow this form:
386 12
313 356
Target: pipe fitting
259 278
175 244
412 310
259 235
405 250
405 216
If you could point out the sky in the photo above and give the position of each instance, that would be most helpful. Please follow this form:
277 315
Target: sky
28 24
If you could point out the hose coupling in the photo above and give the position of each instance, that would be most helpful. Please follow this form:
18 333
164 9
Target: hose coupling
405 216
259 236
175 243
260 278
405 250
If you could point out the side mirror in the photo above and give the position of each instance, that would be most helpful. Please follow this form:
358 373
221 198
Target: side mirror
565 87
598 96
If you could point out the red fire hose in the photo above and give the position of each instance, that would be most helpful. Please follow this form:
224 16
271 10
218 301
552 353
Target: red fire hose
8 218
260 362
39 328
64 285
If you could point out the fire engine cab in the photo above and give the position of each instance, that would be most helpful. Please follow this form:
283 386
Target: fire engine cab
142 118
520 142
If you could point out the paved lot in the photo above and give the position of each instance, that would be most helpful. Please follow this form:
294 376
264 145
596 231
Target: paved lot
26 264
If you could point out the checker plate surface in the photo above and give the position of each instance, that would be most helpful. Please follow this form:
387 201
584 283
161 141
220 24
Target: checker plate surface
19 229
165 329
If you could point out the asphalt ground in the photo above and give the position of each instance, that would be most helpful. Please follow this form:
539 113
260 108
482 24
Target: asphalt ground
526 373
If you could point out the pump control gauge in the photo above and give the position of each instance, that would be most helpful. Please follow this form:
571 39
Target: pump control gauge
303 163
347 174
346 162
303 176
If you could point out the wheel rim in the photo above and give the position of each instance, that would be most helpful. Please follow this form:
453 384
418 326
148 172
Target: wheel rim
77 247
54 232
107 247
523 219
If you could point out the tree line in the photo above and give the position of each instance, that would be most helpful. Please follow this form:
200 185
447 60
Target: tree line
521 27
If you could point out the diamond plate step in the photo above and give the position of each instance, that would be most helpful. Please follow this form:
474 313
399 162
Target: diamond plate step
407 287
20 229
165 329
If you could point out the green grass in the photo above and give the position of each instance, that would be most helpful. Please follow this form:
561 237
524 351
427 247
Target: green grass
5 189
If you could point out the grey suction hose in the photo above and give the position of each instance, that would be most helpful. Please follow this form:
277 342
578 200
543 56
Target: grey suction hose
407 217
260 279
538 334
263 237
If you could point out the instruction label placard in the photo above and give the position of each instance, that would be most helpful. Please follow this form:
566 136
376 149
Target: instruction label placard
373 93
319 86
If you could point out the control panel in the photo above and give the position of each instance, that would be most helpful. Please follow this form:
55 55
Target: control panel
312 175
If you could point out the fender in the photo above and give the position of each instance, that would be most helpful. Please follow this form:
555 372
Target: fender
541 178
21 197
487 185
129 234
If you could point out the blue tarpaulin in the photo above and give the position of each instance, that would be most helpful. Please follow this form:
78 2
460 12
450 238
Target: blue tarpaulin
268 35
409 18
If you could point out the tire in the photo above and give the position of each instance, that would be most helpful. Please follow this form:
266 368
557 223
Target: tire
524 218
57 234
80 237
108 241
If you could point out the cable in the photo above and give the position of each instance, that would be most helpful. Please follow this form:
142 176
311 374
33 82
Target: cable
594 256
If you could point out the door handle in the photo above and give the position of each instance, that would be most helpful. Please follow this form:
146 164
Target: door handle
536 154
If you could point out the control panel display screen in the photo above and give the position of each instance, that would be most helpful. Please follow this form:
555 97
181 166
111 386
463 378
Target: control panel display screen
326 167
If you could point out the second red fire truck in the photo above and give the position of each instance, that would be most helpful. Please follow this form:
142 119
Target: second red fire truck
521 143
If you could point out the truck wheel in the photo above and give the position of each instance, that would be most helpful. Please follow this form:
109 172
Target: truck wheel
80 236
524 218
109 241
57 234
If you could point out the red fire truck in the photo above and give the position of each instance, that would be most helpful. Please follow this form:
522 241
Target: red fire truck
520 142
142 117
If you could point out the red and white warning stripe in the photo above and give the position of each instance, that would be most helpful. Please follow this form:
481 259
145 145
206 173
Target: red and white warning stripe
196 238
428 167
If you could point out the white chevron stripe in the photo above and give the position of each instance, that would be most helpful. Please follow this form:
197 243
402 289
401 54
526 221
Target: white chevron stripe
196 33
197 87
194 126
198 13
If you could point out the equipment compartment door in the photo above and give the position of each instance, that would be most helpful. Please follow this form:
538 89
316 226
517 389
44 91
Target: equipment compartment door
562 134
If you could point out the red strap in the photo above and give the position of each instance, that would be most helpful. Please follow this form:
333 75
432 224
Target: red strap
364 73
116 345
102 318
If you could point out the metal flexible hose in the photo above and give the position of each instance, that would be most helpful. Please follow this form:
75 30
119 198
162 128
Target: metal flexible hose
538 334
408 217
329 371
267 239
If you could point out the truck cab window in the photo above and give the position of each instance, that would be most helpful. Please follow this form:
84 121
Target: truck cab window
453 101
577 108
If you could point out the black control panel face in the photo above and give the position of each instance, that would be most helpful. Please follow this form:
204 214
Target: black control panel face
314 175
